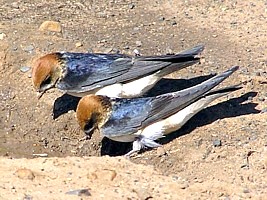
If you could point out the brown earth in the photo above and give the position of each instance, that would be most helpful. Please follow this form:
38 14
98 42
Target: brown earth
189 165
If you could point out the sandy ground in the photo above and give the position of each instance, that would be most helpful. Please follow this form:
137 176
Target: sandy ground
189 165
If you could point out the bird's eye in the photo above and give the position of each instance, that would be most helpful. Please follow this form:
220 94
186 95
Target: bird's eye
47 81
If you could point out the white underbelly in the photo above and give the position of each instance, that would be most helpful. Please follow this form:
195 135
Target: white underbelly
140 86
131 89
110 90
175 121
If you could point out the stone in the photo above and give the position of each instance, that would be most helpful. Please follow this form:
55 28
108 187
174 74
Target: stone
15 5
25 174
24 69
161 18
161 151
138 43
173 23
2 36
28 48
217 143
79 192
108 50
78 44
131 6
50 26
102 174
264 110
169 51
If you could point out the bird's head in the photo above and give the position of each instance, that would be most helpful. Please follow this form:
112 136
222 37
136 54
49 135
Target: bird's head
93 112
46 72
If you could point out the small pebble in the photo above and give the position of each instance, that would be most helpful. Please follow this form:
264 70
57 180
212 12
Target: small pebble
142 193
257 73
217 143
138 43
40 154
27 197
78 44
161 151
25 174
24 69
131 6
29 48
264 110
80 192
15 5
261 98
136 28
173 23
246 190
183 186
108 50
224 8
2 36
169 51
102 174
117 51
50 26
161 18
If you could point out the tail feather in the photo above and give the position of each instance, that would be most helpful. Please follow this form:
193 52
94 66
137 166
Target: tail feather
177 66
181 60
180 118
177 58
194 51
225 90
173 102
204 101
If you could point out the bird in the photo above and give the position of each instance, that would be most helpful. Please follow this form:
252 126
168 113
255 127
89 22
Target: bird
113 75
143 120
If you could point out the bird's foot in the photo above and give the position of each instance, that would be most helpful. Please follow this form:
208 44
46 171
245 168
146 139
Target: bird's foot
137 146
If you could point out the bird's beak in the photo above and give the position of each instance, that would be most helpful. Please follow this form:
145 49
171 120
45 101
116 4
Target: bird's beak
43 89
89 132
40 94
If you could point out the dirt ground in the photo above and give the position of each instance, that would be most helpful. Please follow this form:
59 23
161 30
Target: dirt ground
190 164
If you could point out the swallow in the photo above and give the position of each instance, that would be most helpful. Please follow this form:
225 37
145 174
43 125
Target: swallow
146 119
114 75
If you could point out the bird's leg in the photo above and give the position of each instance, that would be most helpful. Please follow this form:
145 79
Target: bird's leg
137 146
